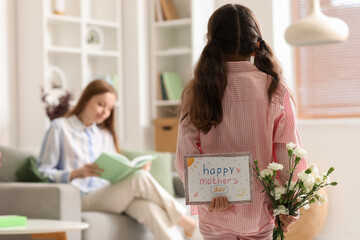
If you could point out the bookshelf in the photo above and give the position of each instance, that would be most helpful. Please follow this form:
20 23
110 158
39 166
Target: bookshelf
47 39
175 47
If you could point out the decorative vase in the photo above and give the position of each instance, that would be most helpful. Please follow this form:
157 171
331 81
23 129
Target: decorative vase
59 7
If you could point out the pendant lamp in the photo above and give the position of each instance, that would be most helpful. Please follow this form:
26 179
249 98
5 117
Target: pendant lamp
316 28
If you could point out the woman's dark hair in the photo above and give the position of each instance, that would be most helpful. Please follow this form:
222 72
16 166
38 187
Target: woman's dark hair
232 30
94 88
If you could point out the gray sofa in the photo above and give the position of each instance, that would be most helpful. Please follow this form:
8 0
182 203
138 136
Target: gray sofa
63 201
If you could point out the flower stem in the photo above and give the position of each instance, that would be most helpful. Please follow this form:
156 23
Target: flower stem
278 232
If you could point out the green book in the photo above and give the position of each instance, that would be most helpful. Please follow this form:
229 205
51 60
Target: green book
163 92
12 221
115 81
173 85
117 167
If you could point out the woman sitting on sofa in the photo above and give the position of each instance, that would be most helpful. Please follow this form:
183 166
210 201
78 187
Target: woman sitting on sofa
72 144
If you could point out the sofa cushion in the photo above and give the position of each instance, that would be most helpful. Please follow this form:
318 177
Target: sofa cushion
161 168
28 172
11 159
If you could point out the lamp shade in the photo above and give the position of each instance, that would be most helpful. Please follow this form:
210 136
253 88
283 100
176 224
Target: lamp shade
316 28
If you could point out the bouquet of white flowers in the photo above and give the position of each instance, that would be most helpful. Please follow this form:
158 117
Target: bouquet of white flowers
288 198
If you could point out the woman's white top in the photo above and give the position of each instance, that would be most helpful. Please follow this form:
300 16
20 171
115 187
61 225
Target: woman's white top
68 145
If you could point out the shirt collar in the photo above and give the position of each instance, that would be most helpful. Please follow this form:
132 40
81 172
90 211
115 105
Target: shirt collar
79 126
240 66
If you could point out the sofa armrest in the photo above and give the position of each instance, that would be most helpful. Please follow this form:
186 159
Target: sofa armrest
41 200
178 185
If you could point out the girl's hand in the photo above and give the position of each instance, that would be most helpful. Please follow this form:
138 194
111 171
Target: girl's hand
287 221
88 170
219 204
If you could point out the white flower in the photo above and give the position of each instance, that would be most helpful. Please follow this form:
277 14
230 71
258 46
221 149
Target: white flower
314 168
290 146
306 207
292 186
52 100
278 192
266 172
309 183
281 209
303 176
307 179
299 152
318 179
322 200
275 166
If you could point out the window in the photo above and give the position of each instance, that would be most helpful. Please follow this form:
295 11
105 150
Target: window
328 76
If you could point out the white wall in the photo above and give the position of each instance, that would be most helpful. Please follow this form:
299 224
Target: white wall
336 143
135 74
8 100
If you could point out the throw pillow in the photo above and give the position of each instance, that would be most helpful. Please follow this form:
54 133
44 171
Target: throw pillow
10 160
28 172
161 167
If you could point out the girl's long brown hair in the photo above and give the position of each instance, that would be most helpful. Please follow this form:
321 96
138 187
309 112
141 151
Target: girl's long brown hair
94 88
232 30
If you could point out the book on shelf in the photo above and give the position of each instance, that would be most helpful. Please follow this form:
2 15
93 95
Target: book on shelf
117 167
173 85
169 9
12 221
162 88
158 11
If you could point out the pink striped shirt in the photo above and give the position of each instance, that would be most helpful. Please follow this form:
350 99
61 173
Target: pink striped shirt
249 123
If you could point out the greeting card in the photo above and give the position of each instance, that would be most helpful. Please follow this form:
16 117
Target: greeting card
212 175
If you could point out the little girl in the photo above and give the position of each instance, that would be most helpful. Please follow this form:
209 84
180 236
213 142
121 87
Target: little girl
232 105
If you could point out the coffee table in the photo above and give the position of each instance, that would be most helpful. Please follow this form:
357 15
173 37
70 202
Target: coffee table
45 228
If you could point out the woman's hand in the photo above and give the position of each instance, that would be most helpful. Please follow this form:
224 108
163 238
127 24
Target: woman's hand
219 204
88 170
147 166
287 221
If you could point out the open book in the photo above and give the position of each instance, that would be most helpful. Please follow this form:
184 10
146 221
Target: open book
117 167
